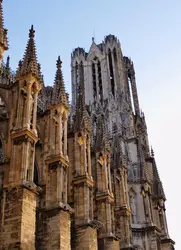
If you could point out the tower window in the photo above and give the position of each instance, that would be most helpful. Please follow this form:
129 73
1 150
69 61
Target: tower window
116 65
1 152
94 80
111 73
76 77
81 72
35 179
100 81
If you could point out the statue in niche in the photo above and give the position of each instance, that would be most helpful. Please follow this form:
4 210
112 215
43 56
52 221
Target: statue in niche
133 207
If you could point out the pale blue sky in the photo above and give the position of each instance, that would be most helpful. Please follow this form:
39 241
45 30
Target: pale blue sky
149 32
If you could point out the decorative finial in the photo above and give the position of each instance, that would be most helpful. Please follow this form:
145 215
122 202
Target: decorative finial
59 95
32 32
93 39
59 62
30 62
20 63
7 62
152 152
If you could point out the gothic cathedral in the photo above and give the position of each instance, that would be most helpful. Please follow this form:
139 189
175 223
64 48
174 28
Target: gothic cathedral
77 176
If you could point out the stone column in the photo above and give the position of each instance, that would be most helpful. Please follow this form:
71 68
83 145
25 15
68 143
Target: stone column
60 133
24 161
65 180
31 163
85 154
65 136
123 189
27 124
109 174
59 190
108 217
61 183
106 172
89 157
35 110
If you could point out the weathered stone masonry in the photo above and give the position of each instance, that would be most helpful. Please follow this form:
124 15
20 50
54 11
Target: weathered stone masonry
77 176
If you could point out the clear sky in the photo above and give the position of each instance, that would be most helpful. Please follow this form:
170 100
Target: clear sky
149 32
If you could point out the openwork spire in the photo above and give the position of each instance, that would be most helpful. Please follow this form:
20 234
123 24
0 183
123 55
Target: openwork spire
29 64
82 118
59 94
3 32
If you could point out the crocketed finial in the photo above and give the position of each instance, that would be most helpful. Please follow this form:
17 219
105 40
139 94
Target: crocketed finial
152 152
59 95
59 62
31 32
30 63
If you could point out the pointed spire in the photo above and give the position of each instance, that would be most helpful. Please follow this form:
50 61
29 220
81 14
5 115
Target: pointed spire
59 94
30 65
102 141
152 153
82 118
3 32
157 184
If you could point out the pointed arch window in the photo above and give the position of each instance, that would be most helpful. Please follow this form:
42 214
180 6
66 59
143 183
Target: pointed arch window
115 56
111 73
94 80
3 110
97 80
76 77
1 152
100 81
81 71
35 178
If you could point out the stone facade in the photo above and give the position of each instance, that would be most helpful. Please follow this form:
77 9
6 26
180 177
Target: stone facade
79 176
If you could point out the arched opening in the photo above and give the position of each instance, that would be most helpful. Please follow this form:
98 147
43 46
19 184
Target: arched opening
94 81
3 110
111 73
81 73
76 79
35 178
1 152
115 56
100 81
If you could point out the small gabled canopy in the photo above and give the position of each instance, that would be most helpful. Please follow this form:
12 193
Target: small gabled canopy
94 51
29 64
